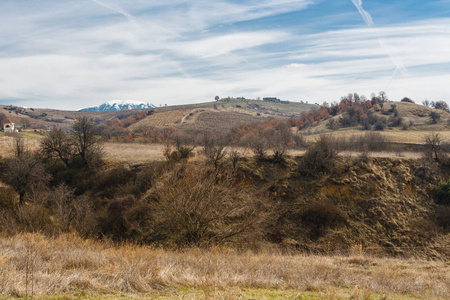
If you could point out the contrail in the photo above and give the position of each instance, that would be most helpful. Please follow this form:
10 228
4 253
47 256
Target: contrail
133 21
364 14
118 10
397 61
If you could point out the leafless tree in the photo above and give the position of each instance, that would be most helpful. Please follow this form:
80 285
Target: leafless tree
23 174
58 144
80 145
214 147
85 142
68 209
434 147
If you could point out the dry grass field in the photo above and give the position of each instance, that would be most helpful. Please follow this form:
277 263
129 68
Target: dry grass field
222 121
165 118
134 153
394 136
69 267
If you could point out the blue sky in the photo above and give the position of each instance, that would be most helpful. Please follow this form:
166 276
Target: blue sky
73 54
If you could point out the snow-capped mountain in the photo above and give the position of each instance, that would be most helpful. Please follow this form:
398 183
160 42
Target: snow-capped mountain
120 105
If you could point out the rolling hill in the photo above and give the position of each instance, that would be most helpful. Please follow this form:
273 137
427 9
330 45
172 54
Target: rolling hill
221 114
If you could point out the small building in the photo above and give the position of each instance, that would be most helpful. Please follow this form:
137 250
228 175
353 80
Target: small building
8 127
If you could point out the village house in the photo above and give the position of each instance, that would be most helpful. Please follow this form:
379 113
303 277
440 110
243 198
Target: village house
8 127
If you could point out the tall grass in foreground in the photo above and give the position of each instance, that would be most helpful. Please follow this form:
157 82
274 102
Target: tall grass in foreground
68 263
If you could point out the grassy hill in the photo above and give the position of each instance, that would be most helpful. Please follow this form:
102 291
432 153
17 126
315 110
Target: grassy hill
415 125
219 115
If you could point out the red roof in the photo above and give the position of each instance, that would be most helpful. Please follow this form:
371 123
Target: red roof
9 122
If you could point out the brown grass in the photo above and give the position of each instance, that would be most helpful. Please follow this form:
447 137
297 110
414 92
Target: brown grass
71 265
132 152
394 136
164 118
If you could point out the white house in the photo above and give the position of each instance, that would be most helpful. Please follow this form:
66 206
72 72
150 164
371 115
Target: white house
8 127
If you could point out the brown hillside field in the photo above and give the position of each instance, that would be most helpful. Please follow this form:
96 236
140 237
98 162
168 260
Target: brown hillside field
68 267
162 116
394 136
196 119
415 114
139 153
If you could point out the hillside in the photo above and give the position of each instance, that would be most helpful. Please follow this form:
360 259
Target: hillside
415 116
226 112
405 125
221 115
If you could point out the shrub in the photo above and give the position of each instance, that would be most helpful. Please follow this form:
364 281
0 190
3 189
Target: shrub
332 124
406 99
442 192
443 217
395 121
434 117
320 158
381 124
192 206
126 218
321 215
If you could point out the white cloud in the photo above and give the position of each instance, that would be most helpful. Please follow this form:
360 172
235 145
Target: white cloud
228 43
87 53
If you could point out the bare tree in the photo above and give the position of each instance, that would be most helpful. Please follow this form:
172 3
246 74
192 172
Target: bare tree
426 103
23 174
58 144
20 147
69 210
85 141
434 147
280 139
214 147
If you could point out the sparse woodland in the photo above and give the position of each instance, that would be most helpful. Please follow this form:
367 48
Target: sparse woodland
263 220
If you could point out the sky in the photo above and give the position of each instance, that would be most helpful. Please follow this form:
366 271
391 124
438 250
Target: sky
71 54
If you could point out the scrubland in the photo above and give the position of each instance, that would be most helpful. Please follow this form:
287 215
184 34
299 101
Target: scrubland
261 212
70 267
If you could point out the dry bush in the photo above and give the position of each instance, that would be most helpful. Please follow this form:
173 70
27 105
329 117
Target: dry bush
320 157
70 212
194 206
370 141
179 146
214 147
266 137
126 218
319 216
114 181
443 217
436 149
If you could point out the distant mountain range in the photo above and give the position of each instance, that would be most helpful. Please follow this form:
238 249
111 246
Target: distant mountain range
120 105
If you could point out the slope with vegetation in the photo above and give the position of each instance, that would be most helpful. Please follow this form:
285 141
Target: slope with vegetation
266 202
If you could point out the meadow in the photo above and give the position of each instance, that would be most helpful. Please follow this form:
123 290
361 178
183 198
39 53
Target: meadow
70 267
